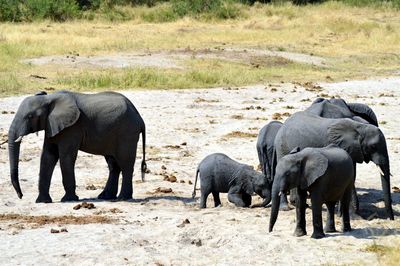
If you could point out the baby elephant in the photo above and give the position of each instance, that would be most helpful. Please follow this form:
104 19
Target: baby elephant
219 173
327 174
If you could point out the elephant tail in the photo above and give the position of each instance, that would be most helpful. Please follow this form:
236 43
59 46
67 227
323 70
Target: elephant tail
144 165
195 183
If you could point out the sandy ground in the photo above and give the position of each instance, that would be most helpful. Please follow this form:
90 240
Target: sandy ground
173 58
183 126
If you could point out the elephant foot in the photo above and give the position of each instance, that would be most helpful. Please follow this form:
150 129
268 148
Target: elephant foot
346 228
299 232
105 195
318 235
330 229
124 197
44 198
70 197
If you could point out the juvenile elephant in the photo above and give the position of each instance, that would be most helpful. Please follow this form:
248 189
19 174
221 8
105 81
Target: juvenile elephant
363 142
105 124
265 146
219 173
327 174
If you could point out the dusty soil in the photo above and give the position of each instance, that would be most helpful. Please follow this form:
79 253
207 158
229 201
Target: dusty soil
174 58
162 224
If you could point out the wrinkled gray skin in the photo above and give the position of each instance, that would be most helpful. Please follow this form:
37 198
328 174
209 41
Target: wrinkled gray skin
364 143
104 124
327 174
265 146
220 174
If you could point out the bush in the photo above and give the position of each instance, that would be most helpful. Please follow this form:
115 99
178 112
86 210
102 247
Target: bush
209 8
20 10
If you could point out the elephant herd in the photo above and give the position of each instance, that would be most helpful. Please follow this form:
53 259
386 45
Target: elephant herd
313 152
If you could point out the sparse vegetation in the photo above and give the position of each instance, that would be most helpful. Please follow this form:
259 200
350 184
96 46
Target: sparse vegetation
388 255
352 47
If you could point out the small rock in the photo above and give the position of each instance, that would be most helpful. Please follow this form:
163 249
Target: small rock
190 182
64 230
163 167
54 231
91 187
396 189
186 221
163 190
196 242
184 143
181 181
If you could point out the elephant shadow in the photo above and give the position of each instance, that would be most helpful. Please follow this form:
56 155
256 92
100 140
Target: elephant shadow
372 232
368 198
185 200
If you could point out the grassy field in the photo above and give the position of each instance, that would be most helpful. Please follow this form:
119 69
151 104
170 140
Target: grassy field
357 42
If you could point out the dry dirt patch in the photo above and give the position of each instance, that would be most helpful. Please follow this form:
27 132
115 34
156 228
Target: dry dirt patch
41 220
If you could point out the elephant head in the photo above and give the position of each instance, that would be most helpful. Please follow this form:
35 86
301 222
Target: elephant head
254 181
51 113
297 169
364 143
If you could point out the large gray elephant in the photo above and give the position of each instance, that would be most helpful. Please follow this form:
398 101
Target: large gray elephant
338 108
265 146
220 174
364 143
333 108
105 124
327 174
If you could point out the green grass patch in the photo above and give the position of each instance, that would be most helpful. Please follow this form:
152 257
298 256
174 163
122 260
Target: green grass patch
200 73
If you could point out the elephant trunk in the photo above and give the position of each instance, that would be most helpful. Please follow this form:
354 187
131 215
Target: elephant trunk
275 205
385 180
14 145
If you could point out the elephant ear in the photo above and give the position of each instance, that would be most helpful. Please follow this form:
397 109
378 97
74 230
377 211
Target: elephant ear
315 165
364 111
344 134
63 113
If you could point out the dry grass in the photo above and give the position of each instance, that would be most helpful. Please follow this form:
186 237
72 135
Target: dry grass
387 255
240 134
357 42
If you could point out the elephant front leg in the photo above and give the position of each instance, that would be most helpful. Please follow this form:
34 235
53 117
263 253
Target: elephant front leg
316 204
235 197
48 161
111 189
284 205
246 199
330 221
67 164
301 213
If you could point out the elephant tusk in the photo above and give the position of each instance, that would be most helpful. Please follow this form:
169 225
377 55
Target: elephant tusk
280 193
18 139
380 170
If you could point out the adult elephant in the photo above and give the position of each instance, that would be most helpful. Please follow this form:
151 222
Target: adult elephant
265 146
364 142
105 124
328 108
338 108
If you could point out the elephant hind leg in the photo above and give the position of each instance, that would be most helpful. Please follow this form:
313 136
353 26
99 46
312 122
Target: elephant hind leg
330 221
217 200
111 189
